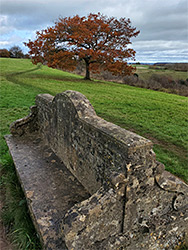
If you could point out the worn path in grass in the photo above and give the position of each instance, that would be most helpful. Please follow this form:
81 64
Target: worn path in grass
158 116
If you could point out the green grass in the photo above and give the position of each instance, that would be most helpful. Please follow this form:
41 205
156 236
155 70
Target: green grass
158 116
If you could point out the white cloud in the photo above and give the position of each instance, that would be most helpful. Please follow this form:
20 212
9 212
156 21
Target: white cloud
5 43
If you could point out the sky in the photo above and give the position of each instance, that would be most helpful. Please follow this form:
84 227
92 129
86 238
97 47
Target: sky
163 24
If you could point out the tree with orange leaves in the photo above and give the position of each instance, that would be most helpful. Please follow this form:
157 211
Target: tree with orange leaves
99 40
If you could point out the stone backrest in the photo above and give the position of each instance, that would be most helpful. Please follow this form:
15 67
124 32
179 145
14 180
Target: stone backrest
91 148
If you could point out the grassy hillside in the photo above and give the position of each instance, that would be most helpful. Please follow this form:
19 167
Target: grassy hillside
155 115
158 116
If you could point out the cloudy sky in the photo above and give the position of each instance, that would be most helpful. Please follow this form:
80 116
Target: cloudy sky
163 24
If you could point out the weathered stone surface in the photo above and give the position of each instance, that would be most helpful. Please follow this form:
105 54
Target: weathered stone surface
90 147
97 218
28 124
134 203
49 187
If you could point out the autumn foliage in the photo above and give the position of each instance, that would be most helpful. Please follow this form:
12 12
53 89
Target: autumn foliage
13 52
4 53
99 40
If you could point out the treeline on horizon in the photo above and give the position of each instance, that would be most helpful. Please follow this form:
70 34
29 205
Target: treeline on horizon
13 52
171 66
177 66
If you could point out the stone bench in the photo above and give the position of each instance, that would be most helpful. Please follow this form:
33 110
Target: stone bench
90 184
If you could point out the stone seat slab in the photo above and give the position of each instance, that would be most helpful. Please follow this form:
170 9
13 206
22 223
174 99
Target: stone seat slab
49 187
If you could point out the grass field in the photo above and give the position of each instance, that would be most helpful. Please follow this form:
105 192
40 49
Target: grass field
158 116
145 72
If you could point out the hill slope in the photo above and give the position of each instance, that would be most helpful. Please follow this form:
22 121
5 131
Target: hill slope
158 116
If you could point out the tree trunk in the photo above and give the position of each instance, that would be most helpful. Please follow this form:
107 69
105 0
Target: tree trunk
87 76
